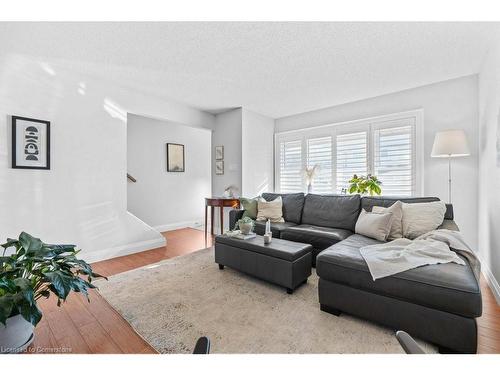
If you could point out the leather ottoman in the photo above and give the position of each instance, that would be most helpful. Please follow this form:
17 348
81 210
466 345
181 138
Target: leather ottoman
281 262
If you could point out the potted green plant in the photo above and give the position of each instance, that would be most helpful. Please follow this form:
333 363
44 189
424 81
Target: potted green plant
365 185
246 225
30 270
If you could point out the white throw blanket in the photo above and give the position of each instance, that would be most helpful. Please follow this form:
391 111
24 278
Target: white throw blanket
437 246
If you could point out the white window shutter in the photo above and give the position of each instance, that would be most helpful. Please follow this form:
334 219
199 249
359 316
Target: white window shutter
290 173
394 160
319 152
352 158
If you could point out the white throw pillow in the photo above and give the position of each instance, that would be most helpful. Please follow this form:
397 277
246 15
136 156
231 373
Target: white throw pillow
397 218
377 226
270 210
420 218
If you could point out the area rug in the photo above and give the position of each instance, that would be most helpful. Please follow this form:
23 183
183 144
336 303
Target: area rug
174 302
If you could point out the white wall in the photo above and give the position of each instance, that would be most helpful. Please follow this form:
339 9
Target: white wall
489 168
448 104
247 138
83 198
167 200
257 154
227 133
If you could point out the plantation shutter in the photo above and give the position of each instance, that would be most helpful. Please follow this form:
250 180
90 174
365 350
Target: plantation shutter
394 157
319 152
352 158
290 167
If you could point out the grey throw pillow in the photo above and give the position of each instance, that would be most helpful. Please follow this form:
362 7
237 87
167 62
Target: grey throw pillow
373 225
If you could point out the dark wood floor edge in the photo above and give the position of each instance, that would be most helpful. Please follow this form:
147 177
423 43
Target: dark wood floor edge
126 321
491 281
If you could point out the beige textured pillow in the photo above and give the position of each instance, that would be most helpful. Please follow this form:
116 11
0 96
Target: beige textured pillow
270 210
397 219
377 226
420 218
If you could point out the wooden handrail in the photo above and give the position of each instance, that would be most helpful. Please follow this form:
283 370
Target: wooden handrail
131 178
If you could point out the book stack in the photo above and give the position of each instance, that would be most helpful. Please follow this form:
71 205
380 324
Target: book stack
240 236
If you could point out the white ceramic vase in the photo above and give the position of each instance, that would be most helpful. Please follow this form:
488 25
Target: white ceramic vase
16 335
245 228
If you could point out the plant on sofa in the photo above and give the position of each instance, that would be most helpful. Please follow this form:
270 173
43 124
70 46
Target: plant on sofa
34 270
363 185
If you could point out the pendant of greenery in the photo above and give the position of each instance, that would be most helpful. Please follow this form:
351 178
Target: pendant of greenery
34 271
365 185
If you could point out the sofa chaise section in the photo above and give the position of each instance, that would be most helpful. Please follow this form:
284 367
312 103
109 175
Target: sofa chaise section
438 303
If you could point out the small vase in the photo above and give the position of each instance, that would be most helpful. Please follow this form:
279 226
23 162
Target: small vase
246 228
309 189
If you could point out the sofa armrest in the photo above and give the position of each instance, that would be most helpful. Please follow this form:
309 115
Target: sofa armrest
449 224
234 216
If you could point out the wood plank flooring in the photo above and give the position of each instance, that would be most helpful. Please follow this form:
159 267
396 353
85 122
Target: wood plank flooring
82 327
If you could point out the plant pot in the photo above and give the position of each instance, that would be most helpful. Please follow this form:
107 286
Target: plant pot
16 335
246 228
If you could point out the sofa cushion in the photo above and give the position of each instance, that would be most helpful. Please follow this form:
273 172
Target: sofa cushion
333 211
272 211
373 225
421 218
276 228
319 237
249 206
368 202
397 219
448 287
292 205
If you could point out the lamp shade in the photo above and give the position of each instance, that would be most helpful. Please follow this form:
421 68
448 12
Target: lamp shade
450 143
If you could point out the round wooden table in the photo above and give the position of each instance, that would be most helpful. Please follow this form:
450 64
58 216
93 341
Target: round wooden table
218 202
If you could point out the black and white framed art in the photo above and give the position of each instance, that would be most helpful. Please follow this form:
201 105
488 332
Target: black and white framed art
219 167
30 143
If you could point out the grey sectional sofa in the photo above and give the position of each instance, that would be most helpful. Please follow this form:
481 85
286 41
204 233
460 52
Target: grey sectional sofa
438 303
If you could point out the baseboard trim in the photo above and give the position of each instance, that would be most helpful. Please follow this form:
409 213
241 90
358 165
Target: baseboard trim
178 225
491 280
128 249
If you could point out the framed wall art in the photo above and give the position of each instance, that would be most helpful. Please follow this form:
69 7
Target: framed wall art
30 143
219 152
175 157
219 167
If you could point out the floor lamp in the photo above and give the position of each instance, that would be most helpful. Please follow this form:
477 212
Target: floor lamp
450 144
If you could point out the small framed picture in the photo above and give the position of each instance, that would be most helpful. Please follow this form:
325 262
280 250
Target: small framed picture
30 143
175 157
219 152
219 167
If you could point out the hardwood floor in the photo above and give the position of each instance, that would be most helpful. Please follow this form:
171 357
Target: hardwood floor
82 327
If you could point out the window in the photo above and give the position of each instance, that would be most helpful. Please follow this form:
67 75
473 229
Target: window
352 158
291 169
386 146
319 153
393 159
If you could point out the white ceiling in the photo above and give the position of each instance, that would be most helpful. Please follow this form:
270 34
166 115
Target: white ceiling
277 69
